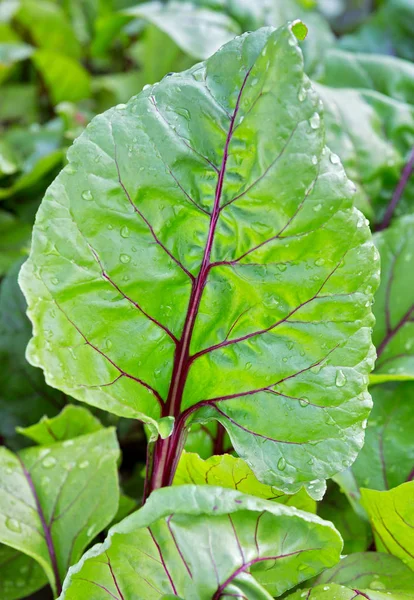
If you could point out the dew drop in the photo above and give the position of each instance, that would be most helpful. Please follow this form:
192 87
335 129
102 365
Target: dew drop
281 465
54 280
90 531
110 227
304 401
248 366
314 159
125 232
67 443
108 344
302 567
326 588
340 380
334 158
302 95
120 106
84 464
124 258
49 462
87 195
315 121
282 267
377 585
13 525
317 208
319 262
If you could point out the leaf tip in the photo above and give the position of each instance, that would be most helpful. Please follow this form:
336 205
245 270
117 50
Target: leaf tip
299 30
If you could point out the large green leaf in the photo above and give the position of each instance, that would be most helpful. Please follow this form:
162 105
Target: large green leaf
394 306
392 519
20 575
372 570
24 396
199 258
55 499
387 458
197 31
203 542
231 472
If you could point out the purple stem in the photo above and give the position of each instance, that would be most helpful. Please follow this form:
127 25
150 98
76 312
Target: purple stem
166 452
45 526
405 176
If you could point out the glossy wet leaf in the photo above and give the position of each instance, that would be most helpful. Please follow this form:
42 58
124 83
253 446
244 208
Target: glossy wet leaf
372 570
391 517
55 499
230 472
394 303
387 458
177 241
24 396
20 575
198 31
204 542
71 423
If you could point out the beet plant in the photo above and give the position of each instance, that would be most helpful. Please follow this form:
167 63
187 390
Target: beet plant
200 266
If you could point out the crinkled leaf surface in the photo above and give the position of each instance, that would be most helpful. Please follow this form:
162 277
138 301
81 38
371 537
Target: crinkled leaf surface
204 542
387 458
394 303
72 422
334 591
372 570
179 268
353 527
24 396
20 575
55 499
392 519
197 31
231 472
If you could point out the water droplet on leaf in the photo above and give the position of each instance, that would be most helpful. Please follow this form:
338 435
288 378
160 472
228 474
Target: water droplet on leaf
125 232
87 195
340 380
49 462
124 258
13 525
281 465
315 121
